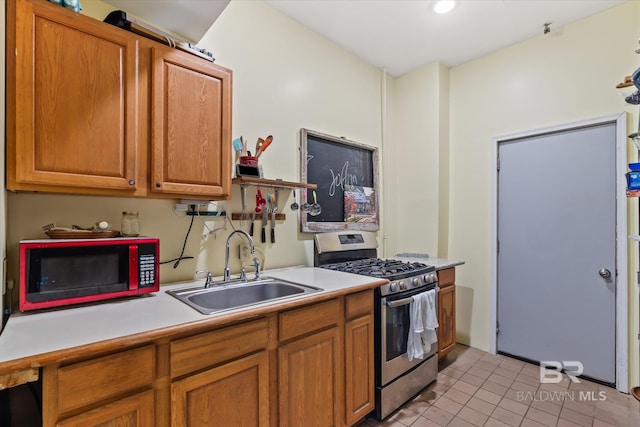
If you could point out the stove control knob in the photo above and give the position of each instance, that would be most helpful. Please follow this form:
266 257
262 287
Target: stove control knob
394 287
402 285
427 278
416 282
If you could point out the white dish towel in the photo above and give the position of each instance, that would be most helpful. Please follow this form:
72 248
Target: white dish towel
423 323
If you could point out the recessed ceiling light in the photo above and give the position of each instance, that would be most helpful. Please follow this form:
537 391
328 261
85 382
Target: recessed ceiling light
444 6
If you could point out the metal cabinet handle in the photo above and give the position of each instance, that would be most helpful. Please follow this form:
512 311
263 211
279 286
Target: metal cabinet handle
604 273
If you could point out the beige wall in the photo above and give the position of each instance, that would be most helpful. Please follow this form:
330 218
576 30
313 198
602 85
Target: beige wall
566 76
285 78
412 163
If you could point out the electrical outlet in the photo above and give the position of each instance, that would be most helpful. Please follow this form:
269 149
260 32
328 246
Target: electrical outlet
244 253
181 207
195 202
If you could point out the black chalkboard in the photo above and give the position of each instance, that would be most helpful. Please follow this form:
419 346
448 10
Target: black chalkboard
333 163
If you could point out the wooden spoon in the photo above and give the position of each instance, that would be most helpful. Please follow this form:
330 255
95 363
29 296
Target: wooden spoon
259 145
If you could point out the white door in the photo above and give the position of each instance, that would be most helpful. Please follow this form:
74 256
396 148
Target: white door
556 243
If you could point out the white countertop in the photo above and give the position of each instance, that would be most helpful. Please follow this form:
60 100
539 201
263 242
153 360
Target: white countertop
438 263
36 333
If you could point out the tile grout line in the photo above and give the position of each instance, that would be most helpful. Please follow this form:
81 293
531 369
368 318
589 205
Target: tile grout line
517 372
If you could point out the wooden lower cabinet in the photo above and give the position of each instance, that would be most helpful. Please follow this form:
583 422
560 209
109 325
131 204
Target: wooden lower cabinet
359 381
103 390
446 312
134 411
308 379
358 355
307 366
233 394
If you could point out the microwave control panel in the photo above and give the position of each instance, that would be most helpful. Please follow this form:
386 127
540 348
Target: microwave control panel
147 261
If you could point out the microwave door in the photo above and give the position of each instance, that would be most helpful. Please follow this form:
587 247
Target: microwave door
67 273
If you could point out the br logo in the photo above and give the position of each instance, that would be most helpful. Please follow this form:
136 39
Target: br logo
551 371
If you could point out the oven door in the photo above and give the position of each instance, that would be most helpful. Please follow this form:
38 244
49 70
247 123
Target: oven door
394 330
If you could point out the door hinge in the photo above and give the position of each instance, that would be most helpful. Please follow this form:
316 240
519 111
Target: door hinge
498 251
498 165
498 329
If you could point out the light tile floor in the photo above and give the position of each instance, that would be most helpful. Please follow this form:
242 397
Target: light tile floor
475 388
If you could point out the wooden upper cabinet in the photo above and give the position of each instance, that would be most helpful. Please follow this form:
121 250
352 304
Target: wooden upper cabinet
94 109
190 125
72 102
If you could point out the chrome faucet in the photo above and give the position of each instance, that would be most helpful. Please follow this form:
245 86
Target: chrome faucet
227 273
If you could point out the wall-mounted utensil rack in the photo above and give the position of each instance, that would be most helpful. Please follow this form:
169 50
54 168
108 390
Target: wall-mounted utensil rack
237 216
633 80
625 83
275 184
245 181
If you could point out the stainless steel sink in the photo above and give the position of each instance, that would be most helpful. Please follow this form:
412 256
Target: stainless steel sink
235 295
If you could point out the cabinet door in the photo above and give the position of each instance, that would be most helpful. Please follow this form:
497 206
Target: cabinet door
72 102
190 125
446 320
309 370
359 385
233 394
134 411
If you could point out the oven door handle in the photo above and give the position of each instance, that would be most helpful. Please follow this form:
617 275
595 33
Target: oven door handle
399 302
405 301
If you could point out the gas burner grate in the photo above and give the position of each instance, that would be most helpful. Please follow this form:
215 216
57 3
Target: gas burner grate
382 268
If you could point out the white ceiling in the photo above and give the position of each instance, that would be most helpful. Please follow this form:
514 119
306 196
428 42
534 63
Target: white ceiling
397 35
189 19
402 35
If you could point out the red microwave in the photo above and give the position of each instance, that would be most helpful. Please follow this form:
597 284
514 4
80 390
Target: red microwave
70 271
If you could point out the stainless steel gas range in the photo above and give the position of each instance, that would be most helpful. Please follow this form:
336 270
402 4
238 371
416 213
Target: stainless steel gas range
397 378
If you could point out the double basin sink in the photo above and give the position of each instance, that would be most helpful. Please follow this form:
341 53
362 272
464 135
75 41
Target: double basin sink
235 294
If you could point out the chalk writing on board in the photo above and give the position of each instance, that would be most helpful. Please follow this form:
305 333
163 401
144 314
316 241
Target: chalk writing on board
333 164
341 179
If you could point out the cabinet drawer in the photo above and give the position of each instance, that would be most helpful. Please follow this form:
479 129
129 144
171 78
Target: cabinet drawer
303 320
210 348
134 411
446 277
358 304
87 382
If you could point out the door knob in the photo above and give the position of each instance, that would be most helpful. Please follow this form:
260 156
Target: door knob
604 273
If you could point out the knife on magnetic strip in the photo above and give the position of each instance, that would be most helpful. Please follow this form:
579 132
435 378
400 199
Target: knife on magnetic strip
264 223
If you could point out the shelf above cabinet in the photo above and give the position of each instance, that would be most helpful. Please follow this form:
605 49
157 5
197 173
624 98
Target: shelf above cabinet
246 181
